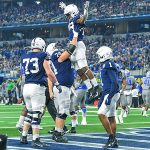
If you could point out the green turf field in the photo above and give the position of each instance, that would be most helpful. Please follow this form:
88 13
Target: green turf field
9 116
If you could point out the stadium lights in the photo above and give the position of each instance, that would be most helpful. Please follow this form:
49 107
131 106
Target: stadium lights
38 2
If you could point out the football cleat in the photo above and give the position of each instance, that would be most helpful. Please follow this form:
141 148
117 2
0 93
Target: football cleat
58 137
51 131
84 123
73 130
38 143
23 140
111 143
65 130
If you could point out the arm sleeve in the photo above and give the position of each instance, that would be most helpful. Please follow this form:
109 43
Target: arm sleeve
114 82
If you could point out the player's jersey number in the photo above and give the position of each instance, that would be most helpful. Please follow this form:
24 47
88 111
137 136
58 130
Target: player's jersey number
32 62
147 82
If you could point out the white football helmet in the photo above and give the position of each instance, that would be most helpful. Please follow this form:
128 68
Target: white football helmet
51 48
148 74
71 10
38 43
104 53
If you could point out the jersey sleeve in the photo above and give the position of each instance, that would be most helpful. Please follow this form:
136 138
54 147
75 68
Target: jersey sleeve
76 18
46 56
55 55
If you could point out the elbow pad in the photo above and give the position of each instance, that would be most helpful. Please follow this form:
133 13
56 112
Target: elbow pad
71 49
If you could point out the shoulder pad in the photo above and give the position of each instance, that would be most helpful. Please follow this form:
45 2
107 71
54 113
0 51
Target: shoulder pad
47 56
56 55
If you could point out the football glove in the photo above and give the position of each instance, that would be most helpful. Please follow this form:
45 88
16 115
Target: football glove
86 5
107 100
62 5
58 87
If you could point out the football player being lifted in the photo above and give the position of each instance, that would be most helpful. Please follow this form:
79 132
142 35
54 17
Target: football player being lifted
78 52
110 94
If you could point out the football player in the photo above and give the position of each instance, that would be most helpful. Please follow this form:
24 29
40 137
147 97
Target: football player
110 95
146 93
80 97
65 77
36 66
78 52
128 82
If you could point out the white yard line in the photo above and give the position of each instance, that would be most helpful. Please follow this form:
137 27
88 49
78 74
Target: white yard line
86 125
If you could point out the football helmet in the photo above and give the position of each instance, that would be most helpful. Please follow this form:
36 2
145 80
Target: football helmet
71 10
51 48
38 43
104 53
148 74
126 73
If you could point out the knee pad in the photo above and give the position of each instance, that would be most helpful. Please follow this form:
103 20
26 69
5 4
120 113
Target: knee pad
73 113
3 142
62 116
83 71
28 118
36 120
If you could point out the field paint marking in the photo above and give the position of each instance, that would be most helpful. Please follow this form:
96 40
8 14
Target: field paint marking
135 133
22 148
122 139
86 125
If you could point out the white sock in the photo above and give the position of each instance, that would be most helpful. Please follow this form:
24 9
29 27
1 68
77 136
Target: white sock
35 136
59 129
21 120
94 82
116 113
83 112
24 133
122 112
143 108
74 122
88 84
144 112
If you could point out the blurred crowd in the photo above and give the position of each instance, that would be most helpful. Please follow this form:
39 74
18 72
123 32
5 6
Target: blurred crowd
48 12
130 51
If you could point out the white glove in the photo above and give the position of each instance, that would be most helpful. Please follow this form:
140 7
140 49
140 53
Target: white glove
86 5
62 5
75 34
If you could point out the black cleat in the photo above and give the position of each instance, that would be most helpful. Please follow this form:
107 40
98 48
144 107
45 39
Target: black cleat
65 130
38 143
58 137
23 140
111 143
73 130
51 131
115 145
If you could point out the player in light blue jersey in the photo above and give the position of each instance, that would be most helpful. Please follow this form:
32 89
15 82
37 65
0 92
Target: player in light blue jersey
146 93
78 53
110 95
80 97
37 69
65 76
128 82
